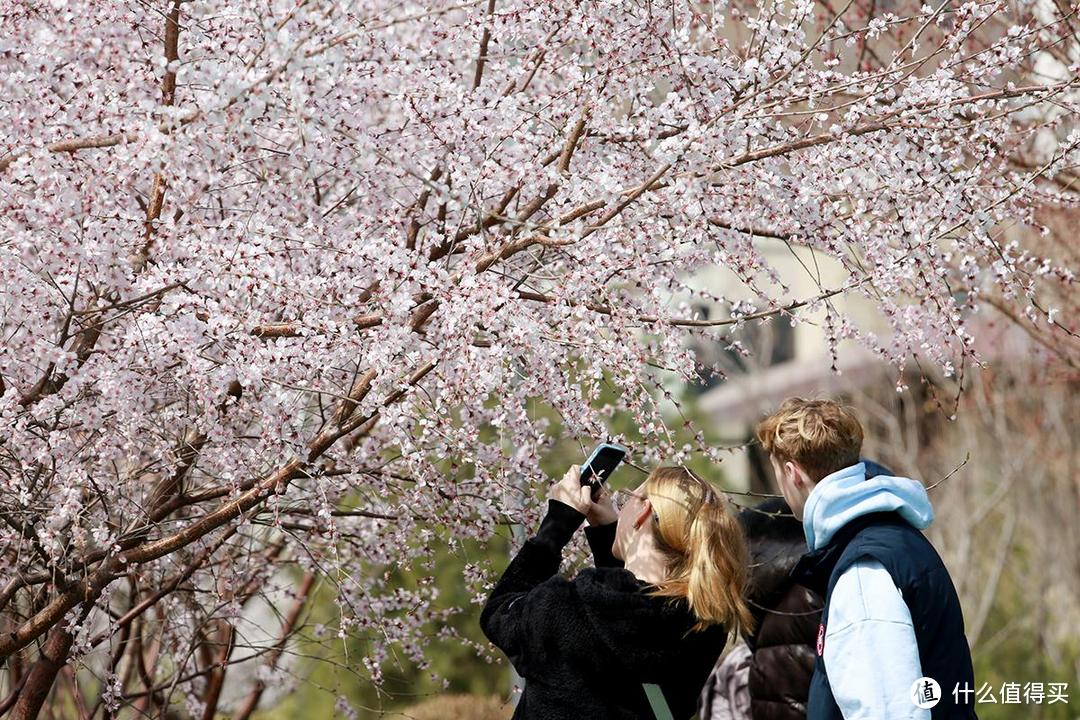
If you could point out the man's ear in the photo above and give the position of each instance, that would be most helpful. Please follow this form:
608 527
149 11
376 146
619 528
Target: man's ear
797 474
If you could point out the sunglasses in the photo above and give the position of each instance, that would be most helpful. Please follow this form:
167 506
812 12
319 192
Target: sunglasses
620 497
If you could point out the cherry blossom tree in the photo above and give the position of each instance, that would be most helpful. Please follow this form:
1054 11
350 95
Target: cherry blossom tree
285 283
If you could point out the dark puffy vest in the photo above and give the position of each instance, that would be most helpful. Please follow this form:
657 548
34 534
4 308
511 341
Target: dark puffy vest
926 587
786 614
784 659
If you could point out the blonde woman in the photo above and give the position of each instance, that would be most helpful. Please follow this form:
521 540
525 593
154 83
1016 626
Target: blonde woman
642 630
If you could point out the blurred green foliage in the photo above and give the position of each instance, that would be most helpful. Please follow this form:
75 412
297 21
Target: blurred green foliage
331 669
1015 648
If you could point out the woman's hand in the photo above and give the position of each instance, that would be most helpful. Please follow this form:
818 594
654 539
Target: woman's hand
571 492
603 510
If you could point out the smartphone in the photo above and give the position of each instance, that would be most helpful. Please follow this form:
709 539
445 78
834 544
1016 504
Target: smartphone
601 463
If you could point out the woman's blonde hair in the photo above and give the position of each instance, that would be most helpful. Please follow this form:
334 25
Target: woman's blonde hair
705 548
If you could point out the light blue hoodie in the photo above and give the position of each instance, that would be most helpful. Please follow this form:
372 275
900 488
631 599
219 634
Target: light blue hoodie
839 498
870 651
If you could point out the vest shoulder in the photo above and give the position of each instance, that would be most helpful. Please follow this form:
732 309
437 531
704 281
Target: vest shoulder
901 548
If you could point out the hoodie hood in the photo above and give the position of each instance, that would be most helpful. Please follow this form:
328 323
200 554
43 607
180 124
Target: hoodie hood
651 636
846 494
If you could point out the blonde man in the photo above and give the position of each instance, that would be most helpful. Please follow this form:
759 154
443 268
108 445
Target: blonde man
892 617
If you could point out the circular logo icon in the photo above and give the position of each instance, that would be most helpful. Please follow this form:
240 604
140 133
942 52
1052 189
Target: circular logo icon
925 693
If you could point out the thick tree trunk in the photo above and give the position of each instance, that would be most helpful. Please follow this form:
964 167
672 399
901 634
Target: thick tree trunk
42 674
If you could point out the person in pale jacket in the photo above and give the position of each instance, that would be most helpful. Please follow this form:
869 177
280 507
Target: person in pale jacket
892 617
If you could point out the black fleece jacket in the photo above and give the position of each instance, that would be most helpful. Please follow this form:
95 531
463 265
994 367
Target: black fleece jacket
585 646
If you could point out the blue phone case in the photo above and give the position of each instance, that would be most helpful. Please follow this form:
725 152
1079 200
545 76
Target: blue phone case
596 451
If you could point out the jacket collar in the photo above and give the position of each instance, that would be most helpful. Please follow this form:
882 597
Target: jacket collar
815 567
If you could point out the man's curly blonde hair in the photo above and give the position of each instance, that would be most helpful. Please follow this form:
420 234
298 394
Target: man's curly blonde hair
821 436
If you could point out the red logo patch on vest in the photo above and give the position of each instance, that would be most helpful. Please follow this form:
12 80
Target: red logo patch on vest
821 639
